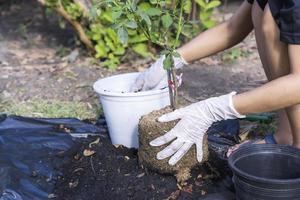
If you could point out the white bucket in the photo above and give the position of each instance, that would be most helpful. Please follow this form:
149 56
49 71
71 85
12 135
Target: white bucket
123 109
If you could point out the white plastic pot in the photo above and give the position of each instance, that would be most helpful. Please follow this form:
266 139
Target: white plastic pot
123 109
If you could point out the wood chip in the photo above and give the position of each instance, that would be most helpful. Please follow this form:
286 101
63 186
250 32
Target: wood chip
51 196
179 186
73 184
174 195
127 174
88 152
140 175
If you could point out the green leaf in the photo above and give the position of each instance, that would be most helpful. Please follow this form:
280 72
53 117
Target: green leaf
168 62
100 50
153 12
137 39
187 6
166 20
145 17
144 6
176 54
204 15
141 49
123 35
209 23
131 24
109 43
107 16
112 34
116 15
119 51
201 3
213 4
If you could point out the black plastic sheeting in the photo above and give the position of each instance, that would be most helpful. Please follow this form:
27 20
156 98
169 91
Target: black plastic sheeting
32 151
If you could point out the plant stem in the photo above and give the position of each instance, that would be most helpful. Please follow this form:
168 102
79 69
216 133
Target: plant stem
175 92
179 26
170 89
172 77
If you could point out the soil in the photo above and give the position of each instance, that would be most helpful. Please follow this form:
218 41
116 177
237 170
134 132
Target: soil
149 129
112 172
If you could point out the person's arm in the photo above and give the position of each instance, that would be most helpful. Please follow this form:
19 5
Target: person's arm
279 93
220 37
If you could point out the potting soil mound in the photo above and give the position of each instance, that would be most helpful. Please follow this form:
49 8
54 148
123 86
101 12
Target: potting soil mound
149 129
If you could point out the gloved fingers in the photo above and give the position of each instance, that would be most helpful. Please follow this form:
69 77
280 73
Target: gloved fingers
168 137
138 83
170 149
170 116
179 79
180 153
162 84
199 149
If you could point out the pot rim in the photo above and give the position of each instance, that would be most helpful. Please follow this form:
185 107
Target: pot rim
103 92
250 177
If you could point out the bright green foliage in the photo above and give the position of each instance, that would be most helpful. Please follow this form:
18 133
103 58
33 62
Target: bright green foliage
206 9
114 26
74 10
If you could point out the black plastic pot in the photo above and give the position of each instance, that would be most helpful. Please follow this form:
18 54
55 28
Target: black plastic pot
266 171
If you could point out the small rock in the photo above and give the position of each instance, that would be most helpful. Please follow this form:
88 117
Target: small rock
72 57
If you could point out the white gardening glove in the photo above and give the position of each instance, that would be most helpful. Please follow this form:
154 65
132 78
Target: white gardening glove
195 120
156 76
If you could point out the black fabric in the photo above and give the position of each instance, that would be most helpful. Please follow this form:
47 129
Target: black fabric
33 152
286 14
261 3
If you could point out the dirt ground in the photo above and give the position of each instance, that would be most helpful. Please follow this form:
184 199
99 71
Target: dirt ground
41 62
112 172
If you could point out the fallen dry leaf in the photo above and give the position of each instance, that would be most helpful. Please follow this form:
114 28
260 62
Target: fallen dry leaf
94 142
88 152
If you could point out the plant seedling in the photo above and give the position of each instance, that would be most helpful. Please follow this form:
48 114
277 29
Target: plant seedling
156 23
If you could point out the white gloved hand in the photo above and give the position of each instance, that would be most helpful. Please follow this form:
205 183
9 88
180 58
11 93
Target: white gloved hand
195 120
156 76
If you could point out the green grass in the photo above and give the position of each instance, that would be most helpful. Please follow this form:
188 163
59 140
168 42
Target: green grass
50 109
234 54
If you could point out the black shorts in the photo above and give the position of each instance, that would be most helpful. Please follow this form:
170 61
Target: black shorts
286 14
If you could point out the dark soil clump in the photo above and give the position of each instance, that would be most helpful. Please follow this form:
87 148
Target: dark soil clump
149 129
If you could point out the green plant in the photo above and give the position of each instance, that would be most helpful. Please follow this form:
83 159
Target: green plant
161 23
107 35
206 9
234 54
